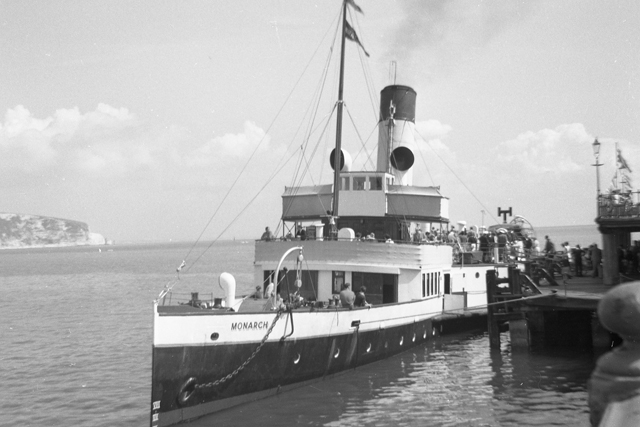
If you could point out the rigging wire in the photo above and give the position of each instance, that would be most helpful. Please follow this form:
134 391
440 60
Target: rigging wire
267 182
456 175
362 142
246 165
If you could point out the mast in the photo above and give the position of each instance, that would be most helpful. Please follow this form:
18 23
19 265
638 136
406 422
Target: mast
338 151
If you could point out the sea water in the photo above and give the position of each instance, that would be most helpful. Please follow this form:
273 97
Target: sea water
76 331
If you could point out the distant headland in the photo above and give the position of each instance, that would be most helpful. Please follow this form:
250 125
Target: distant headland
29 231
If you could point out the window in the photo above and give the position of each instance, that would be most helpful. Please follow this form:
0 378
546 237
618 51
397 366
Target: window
358 183
375 183
338 281
424 285
381 288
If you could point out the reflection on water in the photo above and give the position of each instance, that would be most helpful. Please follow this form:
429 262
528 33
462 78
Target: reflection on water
451 381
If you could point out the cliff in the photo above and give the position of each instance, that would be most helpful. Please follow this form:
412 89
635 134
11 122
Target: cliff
20 231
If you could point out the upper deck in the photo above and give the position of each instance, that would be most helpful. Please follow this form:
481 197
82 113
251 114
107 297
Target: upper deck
366 194
377 256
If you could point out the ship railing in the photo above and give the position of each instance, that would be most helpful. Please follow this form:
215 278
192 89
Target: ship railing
187 298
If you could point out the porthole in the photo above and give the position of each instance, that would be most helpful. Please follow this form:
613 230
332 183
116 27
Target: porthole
401 340
336 354
414 337
297 359
369 348
424 334
433 332
386 344
477 275
215 336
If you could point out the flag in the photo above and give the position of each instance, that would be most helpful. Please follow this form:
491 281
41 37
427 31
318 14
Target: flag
622 162
350 33
626 182
355 7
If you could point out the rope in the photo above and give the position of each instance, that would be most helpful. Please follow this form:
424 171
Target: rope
246 362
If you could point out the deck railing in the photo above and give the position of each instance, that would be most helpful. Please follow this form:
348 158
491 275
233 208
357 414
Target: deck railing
619 205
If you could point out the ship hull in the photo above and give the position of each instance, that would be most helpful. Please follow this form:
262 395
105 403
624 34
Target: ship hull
360 337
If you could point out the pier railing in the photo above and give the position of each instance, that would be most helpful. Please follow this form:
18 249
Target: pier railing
619 205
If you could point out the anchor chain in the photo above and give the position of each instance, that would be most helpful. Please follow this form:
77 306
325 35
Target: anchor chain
246 362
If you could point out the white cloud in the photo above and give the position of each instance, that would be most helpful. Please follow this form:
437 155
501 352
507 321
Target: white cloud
238 146
110 143
432 129
565 149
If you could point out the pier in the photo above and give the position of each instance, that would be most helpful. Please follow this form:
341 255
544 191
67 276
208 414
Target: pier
546 315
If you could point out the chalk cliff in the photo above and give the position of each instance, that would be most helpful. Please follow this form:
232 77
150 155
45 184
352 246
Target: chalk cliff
19 231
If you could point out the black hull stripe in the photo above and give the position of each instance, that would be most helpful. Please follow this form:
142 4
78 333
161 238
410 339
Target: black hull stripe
278 366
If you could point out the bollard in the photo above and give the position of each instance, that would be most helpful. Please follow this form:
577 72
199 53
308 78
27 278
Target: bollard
616 379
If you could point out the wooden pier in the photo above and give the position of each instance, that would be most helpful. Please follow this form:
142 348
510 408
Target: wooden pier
545 314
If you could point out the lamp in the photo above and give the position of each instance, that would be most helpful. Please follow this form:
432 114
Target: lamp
596 149
597 164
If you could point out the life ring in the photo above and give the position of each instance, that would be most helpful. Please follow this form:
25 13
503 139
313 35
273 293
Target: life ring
186 391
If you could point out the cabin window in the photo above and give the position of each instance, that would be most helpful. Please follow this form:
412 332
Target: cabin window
447 284
381 288
338 281
359 183
345 184
424 285
287 284
375 183
433 284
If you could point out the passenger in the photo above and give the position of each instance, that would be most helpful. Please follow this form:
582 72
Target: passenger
473 240
387 239
274 300
502 245
549 251
596 259
549 247
577 259
267 235
536 247
464 240
528 246
484 247
371 237
347 297
417 235
361 299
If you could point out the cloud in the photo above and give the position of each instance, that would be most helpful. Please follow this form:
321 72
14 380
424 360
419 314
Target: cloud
109 144
238 147
565 149
432 129
65 142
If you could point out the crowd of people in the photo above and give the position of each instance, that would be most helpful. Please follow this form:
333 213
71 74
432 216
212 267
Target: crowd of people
575 259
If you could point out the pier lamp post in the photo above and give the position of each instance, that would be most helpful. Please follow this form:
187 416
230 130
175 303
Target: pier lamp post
597 164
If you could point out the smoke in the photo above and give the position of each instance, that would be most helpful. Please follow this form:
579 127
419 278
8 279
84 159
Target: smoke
451 27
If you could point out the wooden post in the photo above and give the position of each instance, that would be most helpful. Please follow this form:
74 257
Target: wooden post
616 379
492 321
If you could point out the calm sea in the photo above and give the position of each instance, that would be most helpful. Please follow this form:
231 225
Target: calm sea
75 329
583 235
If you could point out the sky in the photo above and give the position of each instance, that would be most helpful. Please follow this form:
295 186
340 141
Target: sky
159 121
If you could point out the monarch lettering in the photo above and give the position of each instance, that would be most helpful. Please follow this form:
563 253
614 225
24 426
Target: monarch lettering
249 326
